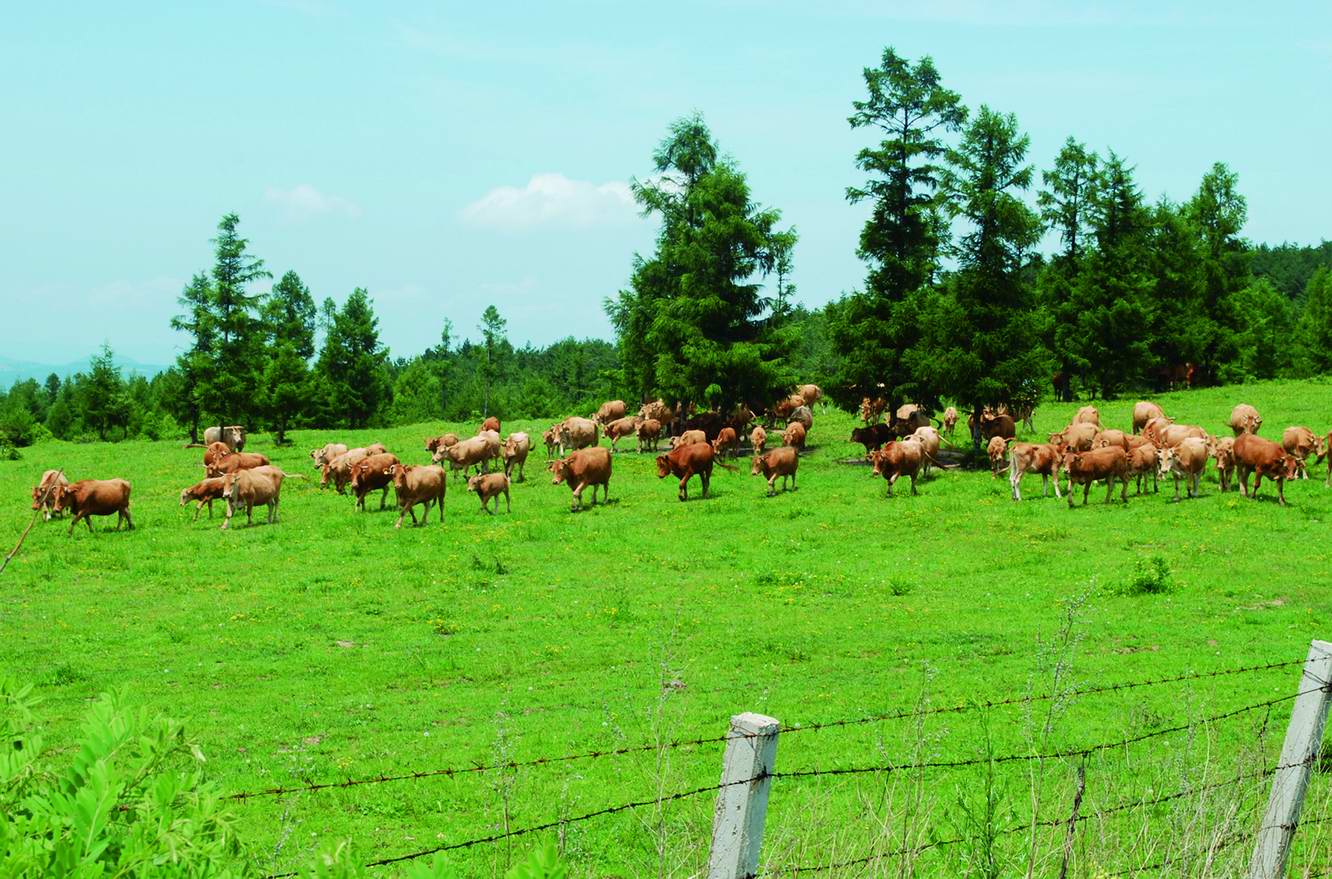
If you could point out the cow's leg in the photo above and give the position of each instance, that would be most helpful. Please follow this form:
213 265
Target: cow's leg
1281 491
508 505
772 484
913 483
683 493
1123 487
1257 481
578 497
891 479
249 513
1086 489
705 477
383 498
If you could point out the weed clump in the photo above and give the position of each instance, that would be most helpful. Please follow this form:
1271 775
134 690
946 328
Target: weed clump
1150 577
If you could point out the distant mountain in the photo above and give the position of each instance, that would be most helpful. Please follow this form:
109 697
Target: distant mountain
19 370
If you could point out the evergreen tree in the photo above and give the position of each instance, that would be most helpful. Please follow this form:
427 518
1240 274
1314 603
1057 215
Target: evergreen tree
353 374
52 388
190 393
1314 332
233 379
1265 325
902 239
1180 326
289 321
1218 212
102 401
497 349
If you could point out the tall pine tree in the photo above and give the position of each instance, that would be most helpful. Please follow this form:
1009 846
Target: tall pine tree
353 366
289 322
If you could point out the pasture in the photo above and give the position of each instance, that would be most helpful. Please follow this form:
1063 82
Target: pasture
331 646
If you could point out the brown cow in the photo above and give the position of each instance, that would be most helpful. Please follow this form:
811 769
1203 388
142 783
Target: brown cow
204 492
475 451
491 423
590 466
688 438
803 416
611 410
620 428
1301 442
1154 426
685 461
339 469
1088 415
514 453
328 452
872 437
1327 447
1187 459
1111 437
781 462
1262 457
992 426
758 438
872 409
995 450
1078 437
95 497
811 393
491 485
412 485
1025 458
215 452
1142 463
908 417
929 442
1143 412
237 461
1084 468
443 441
1223 450
726 441
551 437
794 435
371 474
1245 419
44 494
649 433
896 459
248 488
950 420
577 433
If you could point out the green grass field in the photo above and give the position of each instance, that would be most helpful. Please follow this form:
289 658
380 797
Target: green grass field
332 646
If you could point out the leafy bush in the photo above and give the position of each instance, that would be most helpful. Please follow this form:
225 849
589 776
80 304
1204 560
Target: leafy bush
1150 577
17 426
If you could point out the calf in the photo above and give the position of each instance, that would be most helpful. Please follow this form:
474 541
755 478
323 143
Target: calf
252 487
491 423
897 459
443 441
1142 463
95 497
996 449
1088 415
1025 458
329 451
1223 450
1245 419
621 428
237 461
781 462
726 441
491 485
583 468
1143 412
1084 468
551 437
794 435
758 438
872 437
204 492
373 473
1300 443
418 485
44 493
515 451
649 433
1188 459
949 420
684 462
1262 457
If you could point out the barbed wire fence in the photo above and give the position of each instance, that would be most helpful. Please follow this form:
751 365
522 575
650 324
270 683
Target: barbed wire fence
749 773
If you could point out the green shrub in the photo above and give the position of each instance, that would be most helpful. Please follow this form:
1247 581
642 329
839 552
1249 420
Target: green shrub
1150 577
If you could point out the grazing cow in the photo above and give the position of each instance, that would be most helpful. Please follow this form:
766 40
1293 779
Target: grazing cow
1300 443
1187 459
235 462
1078 437
1152 429
1111 437
1000 425
1084 468
215 452
929 441
1223 450
329 451
491 485
794 435
950 420
908 417
872 437
253 487
44 494
1262 457
611 410
1088 415
233 435
514 453
491 423
802 415
423 484
471 452
649 434
1174 434
590 466
339 469
995 450
1245 419
204 492
685 461
784 408
1142 463
811 393
781 462
1025 458
373 473
658 411
551 437
443 441
95 497
758 438
689 438
896 459
577 433
1025 413
726 441
621 428
1143 412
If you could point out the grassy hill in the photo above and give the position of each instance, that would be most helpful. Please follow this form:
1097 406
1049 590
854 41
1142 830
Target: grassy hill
331 645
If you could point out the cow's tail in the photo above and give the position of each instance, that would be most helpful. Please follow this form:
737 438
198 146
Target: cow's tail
194 446
286 475
722 464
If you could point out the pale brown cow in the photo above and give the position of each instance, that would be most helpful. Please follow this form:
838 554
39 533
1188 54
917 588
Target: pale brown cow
577 433
443 441
1088 415
649 434
726 441
950 420
326 453
491 485
1262 457
95 497
1143 412
1142 463
1187 460
1301 442
1024 458
516 448
237 461
551 437
897 459
794 435
373 473
1223 451
590 466
1155 426
1174 434
44 493
215 452
620 428
658 411
758 438
995 450
1111 437
1078 437
204 492
781 462
1084 468
688 438
471 452
810 393
1245 419
611 410
253 487
930 441
420 484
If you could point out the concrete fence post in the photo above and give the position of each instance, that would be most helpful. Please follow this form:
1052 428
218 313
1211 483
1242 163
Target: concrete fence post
1304 738
737 823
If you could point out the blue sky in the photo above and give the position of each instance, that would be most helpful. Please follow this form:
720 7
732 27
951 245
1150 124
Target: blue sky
449 156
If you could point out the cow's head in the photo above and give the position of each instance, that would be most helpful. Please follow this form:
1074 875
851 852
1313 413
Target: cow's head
1165 459
185 494
557 469
229 485
38 495
474 483
1288 466
757 469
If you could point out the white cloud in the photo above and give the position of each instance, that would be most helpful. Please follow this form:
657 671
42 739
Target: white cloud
304 201
552 198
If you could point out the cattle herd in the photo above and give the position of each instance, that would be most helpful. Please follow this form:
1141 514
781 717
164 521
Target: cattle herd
907 445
